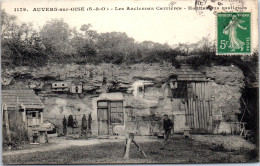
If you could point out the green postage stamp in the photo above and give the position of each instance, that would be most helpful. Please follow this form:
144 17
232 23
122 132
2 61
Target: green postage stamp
233 33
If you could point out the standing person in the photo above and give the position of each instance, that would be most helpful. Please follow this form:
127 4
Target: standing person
167 126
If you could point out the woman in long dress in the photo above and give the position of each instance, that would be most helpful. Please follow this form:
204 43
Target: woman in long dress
231 30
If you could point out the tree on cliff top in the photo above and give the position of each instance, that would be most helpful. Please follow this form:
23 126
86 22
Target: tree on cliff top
56 35
58 42
21 44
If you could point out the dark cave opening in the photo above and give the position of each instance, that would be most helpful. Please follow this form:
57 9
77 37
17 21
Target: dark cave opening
249 111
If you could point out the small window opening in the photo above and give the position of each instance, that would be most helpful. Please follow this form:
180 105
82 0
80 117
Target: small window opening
104 80
34 114
140 89
180 91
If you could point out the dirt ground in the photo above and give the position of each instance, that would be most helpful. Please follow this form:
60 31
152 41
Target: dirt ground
229 142
199 149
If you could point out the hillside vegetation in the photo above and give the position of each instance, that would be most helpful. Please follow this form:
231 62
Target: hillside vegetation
56 41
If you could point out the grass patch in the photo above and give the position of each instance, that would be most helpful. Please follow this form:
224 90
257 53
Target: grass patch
172 151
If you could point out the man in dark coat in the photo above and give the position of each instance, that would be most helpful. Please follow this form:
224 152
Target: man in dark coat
167 126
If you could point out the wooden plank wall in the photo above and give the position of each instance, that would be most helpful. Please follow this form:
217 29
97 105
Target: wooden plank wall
198 107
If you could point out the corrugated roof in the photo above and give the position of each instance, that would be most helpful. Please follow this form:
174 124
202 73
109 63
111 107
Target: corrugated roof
16 97
187 73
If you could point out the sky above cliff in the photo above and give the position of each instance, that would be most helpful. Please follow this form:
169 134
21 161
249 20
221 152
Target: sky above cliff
163 26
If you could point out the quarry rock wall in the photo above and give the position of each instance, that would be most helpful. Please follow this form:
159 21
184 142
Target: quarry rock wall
108 78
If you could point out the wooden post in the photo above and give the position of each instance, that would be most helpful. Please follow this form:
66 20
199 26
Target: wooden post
139 148
243 129
127 148
5 112
7 125
41 114
172 130
129 139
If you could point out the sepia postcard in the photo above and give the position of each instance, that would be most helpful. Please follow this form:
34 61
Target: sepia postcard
129 82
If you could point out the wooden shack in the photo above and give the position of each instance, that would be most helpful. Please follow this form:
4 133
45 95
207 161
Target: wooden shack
23 108
196 95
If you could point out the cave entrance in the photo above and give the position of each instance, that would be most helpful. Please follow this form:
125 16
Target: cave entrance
249 108
249 111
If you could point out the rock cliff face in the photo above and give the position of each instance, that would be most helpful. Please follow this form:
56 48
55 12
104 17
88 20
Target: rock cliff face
227 87
102 78
91 75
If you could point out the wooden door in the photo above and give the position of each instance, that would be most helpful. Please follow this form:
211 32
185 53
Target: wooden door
198 107
198 115
103 121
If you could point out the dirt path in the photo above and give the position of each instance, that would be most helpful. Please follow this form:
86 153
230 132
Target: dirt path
56 143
